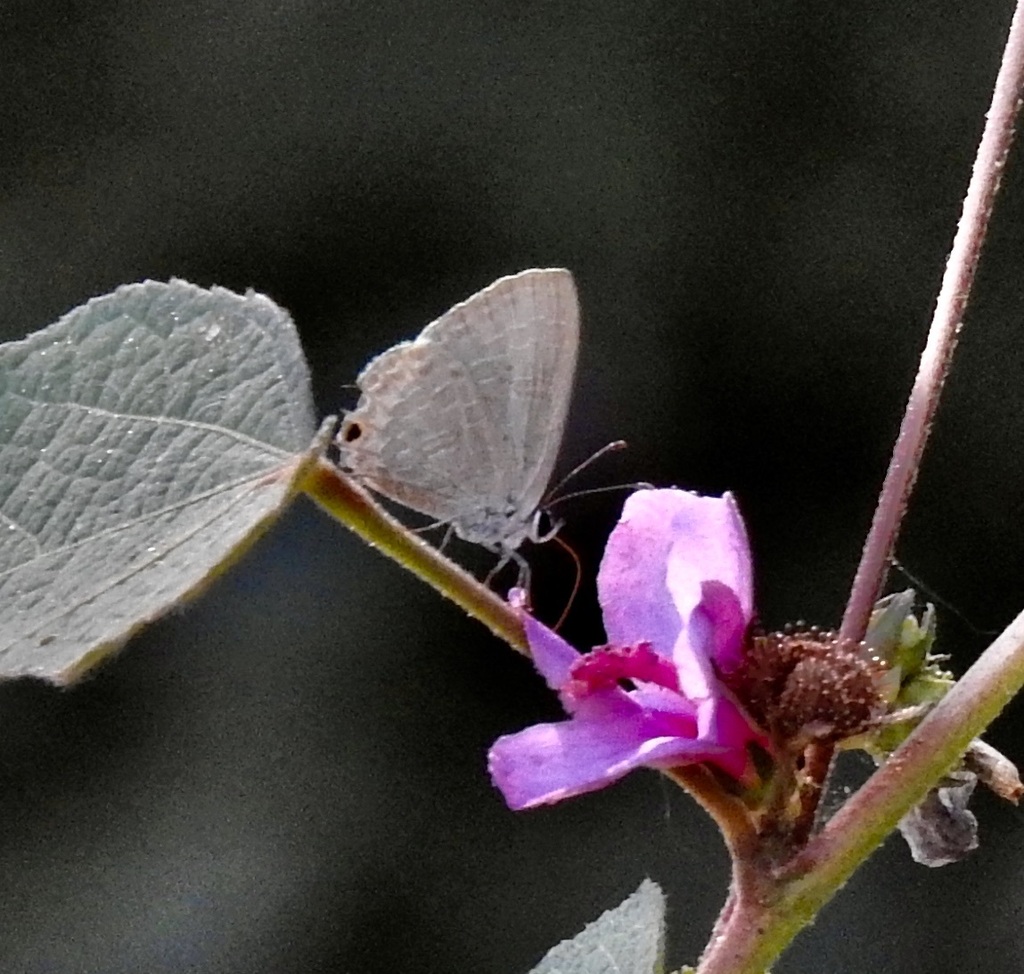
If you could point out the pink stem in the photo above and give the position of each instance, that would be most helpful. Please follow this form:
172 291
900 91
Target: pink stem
755 929
938 352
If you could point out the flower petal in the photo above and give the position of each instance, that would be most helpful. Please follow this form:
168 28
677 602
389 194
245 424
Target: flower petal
728 622
675 585
632 581
677 573
548 762
709 577
721 719
551 654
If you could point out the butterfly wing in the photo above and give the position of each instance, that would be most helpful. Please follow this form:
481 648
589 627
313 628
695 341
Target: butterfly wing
415 434
464 422
535 321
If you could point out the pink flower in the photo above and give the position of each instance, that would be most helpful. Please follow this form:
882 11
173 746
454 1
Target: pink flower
676 588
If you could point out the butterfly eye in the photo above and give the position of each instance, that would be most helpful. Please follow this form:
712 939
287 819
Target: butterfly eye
351 432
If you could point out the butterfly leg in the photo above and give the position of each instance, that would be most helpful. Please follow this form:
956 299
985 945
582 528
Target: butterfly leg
449 531
507 555
496 570
433 526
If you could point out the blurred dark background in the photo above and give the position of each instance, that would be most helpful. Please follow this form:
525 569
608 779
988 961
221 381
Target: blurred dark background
756 198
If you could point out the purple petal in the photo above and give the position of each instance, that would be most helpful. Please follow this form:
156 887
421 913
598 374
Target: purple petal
710 546
551 654
631 583
668 702
721 719
556 660
727 621
666 549
548 762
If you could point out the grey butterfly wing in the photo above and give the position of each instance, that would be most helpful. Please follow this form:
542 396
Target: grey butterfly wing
465 422
535 315
416 434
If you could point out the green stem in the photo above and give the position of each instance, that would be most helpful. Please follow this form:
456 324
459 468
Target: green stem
345 500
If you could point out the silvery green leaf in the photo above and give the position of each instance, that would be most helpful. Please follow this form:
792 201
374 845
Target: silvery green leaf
145 438
628 939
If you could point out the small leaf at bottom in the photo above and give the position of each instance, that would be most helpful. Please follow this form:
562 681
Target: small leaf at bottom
628 939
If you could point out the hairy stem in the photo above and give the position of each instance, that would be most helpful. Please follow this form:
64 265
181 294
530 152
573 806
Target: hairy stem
938 352
756 928
934 746
345 500
954 292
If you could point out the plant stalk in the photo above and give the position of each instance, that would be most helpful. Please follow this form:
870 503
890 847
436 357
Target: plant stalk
345 500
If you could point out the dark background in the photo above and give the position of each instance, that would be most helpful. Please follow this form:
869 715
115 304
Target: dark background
756 198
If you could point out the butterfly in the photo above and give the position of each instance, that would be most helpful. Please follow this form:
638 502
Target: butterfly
464 422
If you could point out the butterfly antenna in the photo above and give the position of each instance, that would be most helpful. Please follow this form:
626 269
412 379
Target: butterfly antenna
638 485
580 467
551 499
576 585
